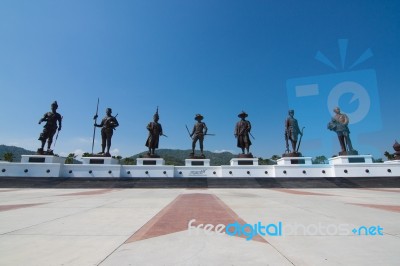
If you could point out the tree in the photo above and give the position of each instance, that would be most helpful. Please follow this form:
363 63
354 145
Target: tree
128 161
275 157
70 158
389 156
86 154
320 160
8 156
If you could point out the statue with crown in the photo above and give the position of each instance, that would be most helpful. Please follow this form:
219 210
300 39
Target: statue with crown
155 131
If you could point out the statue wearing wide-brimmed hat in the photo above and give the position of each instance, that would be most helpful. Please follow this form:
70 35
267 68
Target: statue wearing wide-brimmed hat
198 133
155 131
50 128
242 133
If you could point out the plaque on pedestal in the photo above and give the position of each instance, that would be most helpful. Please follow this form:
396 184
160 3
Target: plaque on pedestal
244 161
351 159
99 160
150 161
197 162
41 159
294 161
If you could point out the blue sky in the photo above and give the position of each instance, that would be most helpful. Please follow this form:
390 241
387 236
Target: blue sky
212 57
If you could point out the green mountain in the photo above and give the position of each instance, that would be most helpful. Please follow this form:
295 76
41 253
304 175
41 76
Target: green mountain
177 157
16 151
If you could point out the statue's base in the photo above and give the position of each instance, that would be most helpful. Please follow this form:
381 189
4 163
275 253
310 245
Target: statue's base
41 159
99 160
345 153
294 161
100 154
248 155
351 159
40 151
244 161
150 161
194 156
148 155
292 154
197 162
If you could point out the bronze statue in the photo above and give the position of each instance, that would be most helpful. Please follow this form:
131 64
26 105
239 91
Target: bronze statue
198 133
292 131
108 125
396 147
339 124
155 131
242 133
50 128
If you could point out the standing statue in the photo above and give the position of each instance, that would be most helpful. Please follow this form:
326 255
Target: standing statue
108 124
242 133
51 119
155 131
292 131
198 133
339 124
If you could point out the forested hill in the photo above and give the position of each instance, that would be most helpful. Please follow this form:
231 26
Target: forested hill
16 151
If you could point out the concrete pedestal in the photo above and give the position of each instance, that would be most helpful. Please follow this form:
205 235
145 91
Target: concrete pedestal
99 160
150 161
197 162
350 159
41 159
294 161
243 161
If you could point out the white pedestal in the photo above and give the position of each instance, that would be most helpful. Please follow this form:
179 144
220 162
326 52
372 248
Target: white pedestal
197 162
99 160
42 159
150 161
243 161
294 161
392 161
349 159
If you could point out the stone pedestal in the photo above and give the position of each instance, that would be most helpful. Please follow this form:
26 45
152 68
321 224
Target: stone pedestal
99 160
197 162
244 161
42 159
292 154
348 153
294 161
350 159
150 161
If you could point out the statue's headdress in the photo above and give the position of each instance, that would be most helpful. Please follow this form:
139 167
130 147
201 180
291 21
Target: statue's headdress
156 114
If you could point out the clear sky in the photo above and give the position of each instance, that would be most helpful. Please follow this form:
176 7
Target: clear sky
211 57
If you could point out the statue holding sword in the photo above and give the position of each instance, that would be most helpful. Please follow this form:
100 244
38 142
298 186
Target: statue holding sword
155 131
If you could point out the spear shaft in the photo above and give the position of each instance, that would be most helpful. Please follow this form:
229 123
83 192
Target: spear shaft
95 122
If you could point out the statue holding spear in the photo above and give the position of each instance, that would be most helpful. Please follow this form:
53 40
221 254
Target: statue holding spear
108 125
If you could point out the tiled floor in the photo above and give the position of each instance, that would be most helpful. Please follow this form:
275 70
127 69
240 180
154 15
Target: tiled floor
150 226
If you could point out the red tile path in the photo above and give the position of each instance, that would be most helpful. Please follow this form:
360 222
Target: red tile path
205 208
17 206
392 208
299 192
88 193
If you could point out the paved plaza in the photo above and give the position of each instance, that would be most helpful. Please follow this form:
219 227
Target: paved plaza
109 226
